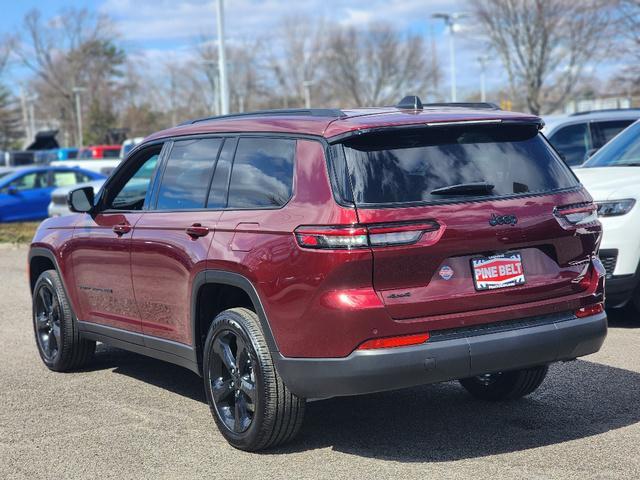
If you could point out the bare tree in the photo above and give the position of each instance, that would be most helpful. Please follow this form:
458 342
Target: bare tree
545 44
629 21
377 65
10 119
246 89
294 60
73 49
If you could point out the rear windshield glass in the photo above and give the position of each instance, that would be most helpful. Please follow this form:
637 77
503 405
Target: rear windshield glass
395 167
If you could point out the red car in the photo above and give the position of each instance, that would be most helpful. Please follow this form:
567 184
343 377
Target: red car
306 254
100 152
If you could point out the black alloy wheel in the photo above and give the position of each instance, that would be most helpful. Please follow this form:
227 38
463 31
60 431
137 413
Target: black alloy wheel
232 381
249 401
47 314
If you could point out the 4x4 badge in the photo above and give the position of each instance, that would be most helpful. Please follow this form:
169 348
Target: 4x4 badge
502 220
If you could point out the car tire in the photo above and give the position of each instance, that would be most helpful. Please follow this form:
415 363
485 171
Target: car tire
250 403
501 386
56 331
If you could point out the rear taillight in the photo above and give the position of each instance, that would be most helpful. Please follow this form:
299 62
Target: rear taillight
589 310
399 233
581 215
332 237
393 342
362 236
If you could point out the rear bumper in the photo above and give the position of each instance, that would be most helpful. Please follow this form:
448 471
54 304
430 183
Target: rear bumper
447 356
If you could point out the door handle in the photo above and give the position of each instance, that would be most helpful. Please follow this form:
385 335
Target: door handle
197 230
122 228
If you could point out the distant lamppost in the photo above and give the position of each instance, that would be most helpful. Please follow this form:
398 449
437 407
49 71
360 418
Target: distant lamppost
76 92
451 20
307 93
483 60
222 63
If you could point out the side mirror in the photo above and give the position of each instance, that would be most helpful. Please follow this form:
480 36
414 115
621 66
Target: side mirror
11 190
81 200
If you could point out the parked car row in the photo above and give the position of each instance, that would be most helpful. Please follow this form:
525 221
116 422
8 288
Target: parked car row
579 135
39 189
25 192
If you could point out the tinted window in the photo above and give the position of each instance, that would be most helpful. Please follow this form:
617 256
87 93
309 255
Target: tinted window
406 168
64 179
220 183
186 178
82 178
109 153
573 142
602 132
624 151
30 181
133 193
262 173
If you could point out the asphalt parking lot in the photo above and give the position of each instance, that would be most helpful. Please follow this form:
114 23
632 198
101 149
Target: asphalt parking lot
133 417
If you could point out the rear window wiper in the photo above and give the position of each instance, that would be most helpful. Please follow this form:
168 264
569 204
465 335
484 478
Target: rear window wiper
475 188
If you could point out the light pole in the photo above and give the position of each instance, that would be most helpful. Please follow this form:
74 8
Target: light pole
450 20
76 92
482 60
307 93
222 64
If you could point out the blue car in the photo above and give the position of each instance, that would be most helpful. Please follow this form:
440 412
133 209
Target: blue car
25 192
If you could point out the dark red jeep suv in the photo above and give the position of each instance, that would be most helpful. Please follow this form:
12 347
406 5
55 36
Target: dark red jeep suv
304 254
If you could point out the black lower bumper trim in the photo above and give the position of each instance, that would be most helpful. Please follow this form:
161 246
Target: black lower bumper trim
564 338
619 289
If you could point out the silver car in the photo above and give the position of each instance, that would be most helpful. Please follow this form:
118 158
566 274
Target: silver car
579 135
58 205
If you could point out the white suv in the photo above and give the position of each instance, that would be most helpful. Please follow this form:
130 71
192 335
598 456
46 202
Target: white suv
612 176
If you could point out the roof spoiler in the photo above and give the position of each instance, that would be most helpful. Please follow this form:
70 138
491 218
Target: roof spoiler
413 102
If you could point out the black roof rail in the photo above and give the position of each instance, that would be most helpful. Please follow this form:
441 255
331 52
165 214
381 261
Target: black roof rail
474 105
313 112
604 110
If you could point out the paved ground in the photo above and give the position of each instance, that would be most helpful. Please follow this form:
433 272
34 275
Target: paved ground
133 417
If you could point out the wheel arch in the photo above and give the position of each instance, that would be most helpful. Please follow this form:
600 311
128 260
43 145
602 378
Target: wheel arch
224 281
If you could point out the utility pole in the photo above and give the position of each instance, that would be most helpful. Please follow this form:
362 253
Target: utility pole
450 20
222 63
76 92
307 93
482 60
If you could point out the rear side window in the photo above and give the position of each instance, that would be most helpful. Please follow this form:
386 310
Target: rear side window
262 173
405 168
65 178
573 142
185 182
602 132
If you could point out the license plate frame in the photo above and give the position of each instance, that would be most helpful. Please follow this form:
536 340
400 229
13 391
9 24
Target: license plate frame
497 271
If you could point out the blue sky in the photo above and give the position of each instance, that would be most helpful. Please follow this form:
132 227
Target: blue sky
155 29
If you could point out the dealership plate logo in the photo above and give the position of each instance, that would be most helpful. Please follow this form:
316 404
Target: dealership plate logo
498 271
446 272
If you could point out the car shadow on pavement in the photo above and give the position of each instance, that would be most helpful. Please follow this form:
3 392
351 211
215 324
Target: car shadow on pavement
441 422
623 318
149 370
436 423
